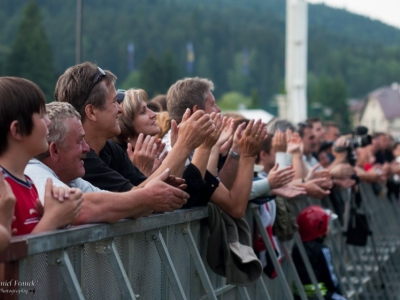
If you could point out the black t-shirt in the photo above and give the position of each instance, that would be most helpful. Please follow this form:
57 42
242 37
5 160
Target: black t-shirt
112 169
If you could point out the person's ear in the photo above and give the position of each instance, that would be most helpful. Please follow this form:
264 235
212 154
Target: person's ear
195 108
53 151
262 155
15 131
90 112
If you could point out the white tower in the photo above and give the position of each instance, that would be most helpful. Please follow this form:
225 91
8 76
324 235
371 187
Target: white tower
296 59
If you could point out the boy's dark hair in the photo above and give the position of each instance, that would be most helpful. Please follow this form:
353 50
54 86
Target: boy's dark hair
79 87
19 100
266 146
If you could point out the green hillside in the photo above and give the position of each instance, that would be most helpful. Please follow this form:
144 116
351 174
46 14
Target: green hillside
364 53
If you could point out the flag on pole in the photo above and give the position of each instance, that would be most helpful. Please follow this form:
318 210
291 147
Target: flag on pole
131 56
190 57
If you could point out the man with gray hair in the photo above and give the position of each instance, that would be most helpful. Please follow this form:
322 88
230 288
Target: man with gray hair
63 162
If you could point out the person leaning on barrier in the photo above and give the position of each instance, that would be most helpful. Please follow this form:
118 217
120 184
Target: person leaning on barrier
271 180
64 163
313 224
231 192
23 132
92 93
231 200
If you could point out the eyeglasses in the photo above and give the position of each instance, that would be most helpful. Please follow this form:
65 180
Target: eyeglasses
97 78
120 95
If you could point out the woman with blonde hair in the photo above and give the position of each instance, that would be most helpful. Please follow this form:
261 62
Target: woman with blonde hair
138 129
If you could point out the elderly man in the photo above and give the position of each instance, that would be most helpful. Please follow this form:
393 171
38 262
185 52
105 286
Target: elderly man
92 93
64 163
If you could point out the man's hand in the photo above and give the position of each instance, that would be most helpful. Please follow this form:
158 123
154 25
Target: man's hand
340 148
279 178
177 182
194 129
289 191
279 141
219 123
163 196
341 171
227 132
251 141
294 143
314 190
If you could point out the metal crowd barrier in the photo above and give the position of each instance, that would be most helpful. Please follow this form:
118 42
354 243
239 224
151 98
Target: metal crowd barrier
163 257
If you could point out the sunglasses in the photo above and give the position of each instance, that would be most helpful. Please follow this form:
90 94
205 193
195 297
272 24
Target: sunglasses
120 95
97 78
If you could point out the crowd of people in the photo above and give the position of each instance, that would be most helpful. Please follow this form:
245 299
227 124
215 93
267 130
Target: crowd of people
97 154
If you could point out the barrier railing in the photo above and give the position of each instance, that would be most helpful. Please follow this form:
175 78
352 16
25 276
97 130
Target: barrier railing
163 257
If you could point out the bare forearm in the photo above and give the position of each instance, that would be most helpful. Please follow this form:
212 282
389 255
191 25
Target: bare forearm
45 224
101 207
234 201
228 172
175 161
213 161
300 170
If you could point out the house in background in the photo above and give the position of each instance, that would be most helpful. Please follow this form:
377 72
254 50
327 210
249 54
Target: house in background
381 112
356 108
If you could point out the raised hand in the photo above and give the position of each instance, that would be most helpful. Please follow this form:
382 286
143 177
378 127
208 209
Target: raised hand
237 136
219 124
144 155
163 196
251 140
279 141
160 155
294 143
279 178
195 129
227 131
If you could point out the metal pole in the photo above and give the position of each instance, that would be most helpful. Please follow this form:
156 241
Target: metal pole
296 59
78 49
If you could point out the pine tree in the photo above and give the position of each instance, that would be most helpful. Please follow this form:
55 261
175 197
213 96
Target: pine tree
31 56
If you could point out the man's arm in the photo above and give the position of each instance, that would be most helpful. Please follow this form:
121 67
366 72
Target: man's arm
157 196
228 172
192 132
234 201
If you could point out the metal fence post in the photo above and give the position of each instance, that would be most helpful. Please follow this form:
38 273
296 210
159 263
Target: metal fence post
156 237
61 259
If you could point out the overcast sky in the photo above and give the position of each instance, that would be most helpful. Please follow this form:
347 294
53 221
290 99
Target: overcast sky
387 11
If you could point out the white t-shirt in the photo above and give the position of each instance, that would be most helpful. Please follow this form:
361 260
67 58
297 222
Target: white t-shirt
39 173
